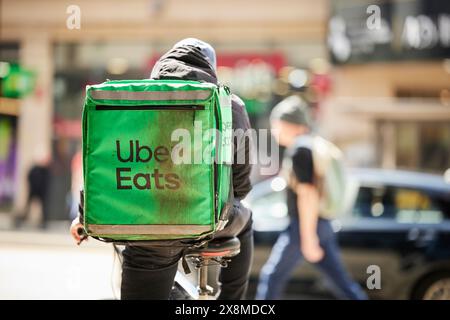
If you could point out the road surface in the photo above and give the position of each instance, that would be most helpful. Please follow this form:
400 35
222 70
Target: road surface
38 265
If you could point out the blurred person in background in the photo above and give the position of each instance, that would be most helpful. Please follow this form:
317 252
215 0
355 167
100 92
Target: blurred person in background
38 184
76 182
309 234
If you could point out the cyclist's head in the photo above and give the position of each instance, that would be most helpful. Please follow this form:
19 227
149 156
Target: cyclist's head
206 49
188 59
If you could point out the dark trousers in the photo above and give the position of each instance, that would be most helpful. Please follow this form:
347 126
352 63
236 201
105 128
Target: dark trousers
149 272
286 255
42 199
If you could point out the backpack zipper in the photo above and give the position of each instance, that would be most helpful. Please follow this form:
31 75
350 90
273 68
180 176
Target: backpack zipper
101 107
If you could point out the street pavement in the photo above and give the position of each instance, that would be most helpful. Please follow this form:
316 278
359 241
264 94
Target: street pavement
49 265
36 264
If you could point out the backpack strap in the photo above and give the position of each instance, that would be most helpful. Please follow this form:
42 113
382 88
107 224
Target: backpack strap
226 210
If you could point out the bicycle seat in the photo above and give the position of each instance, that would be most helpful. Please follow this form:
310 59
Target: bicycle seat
221 247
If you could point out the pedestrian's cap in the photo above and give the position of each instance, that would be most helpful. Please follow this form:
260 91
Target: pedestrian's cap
293 109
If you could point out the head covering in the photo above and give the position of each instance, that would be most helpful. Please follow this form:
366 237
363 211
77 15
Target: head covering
294 110
185 61
207 50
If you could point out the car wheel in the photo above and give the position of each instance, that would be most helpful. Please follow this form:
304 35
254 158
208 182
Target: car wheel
434 287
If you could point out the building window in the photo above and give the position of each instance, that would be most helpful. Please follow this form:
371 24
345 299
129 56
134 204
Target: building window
423 145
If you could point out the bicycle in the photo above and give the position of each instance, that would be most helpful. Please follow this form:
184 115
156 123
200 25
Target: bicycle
214 253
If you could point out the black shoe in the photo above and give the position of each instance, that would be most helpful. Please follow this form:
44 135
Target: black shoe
43 225
17 222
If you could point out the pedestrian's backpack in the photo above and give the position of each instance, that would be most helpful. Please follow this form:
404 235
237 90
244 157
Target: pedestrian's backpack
329 173
156 159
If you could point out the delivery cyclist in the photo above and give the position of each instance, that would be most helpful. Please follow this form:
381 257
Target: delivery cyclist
148 272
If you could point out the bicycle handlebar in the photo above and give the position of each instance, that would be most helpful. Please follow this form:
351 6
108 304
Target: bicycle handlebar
81 231
83 235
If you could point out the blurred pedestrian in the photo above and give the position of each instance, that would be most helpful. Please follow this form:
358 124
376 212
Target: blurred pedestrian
38 183
76 183
312 195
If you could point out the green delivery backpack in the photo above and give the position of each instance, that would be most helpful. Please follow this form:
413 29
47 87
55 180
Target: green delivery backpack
156 159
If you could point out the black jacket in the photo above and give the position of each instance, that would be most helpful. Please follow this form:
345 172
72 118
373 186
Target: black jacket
188 63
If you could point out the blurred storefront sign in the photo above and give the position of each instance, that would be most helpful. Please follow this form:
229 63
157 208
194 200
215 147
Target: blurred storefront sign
9 112
67 128
8 150
250 75
276 60
15 81
9 106
405 30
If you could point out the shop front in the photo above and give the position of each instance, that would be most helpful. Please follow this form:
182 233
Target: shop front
391 83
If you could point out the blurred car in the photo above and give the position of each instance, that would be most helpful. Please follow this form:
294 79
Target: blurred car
398 221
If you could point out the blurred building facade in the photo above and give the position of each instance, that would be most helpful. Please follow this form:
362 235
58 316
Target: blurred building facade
119 39
382 113
391 81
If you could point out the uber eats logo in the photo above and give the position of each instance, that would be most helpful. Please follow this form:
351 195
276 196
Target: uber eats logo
133 152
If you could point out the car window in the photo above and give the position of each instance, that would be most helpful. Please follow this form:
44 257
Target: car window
401 204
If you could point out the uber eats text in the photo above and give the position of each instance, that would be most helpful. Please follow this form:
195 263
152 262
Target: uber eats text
156 179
